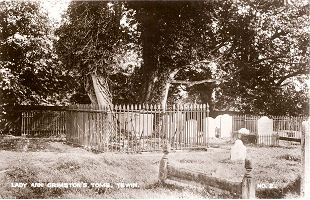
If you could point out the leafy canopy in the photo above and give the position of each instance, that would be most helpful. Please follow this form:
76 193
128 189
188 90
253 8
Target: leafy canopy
29 72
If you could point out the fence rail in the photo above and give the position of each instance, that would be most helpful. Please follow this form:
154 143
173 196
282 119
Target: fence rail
137 128
38 123
283 128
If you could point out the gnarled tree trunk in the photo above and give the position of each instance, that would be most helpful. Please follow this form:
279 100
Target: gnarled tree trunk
98 90
100 96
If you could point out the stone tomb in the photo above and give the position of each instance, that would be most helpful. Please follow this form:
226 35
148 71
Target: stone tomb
238 151
191 131
140 124
265 130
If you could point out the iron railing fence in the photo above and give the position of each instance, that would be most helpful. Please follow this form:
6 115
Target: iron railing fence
137 128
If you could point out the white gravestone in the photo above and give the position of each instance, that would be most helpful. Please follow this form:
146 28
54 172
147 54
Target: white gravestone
265 130
174 125
226 128
238 151
224 124
218 125
140 124
210 124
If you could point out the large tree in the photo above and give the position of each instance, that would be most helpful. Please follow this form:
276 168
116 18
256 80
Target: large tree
175 37
29 71
269 51
29 68
234 55
92 47
251 48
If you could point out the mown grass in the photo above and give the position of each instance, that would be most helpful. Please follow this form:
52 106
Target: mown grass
56 162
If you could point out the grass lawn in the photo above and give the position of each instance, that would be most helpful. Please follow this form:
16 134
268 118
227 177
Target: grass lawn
56 162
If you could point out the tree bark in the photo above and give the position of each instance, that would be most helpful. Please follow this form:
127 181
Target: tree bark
98 90
150 40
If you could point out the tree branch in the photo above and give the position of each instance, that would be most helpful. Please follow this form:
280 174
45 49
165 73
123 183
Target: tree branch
191 83
299 72
264 59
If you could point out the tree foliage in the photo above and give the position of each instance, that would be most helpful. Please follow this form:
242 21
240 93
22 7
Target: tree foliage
269 47
248 56
29 68
92 41
254 49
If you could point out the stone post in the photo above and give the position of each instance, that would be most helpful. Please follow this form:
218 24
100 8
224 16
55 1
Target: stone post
305 148
208 124
163 165
248 183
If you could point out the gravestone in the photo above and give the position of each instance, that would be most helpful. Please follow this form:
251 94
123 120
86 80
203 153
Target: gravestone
210 124
265 130
218 125
238 151
140 124
224 124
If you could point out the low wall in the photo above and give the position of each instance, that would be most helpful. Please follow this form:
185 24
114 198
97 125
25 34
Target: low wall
244 189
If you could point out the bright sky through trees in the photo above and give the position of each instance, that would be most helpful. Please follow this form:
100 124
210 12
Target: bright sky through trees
55 8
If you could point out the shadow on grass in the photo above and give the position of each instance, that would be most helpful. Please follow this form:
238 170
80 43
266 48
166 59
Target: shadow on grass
164 185
279 193
290 157
203 191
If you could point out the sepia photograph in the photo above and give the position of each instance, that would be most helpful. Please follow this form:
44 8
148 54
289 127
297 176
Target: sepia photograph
154 99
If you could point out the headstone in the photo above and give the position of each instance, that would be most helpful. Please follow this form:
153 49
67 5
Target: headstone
264 126
218 123
224 124
140 124
238 151
226 128
265 131
210 124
